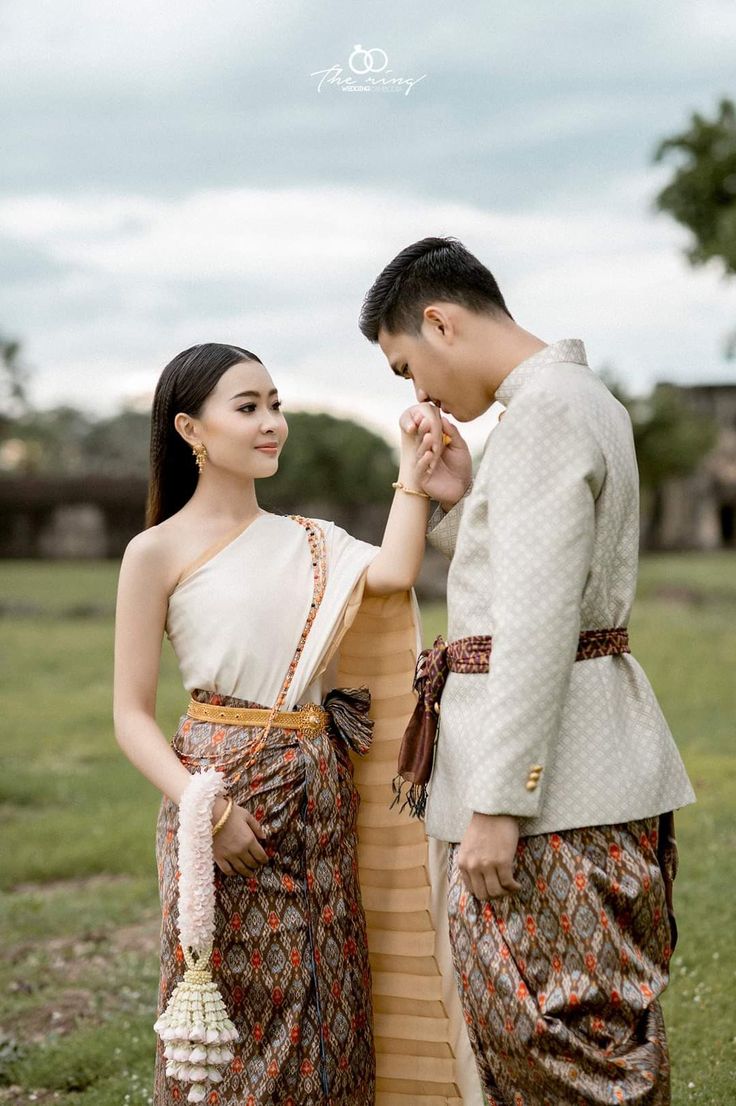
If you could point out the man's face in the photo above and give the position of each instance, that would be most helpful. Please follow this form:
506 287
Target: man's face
427 365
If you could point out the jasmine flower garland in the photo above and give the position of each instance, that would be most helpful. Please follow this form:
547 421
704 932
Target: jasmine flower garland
194 1026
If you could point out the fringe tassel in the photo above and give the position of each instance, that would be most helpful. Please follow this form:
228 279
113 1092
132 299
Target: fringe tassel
415 797
196 1031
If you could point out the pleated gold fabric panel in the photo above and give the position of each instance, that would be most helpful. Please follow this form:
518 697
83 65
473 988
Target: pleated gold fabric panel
416 1064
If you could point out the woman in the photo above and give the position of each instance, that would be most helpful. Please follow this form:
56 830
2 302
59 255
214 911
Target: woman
266 613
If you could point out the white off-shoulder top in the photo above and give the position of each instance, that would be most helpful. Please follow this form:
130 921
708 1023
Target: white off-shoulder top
236 614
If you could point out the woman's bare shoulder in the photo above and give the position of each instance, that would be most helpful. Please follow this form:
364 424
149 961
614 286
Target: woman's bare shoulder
155 551
154 540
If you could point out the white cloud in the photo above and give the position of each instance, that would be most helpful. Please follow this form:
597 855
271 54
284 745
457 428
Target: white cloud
54 219
143 279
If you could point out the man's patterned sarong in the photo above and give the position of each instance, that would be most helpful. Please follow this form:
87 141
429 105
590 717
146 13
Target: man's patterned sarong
560 982
290 956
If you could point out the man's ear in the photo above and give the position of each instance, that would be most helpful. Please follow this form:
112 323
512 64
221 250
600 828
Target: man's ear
439 318
434 317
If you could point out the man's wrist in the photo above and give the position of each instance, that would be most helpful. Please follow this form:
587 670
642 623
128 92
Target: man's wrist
449 504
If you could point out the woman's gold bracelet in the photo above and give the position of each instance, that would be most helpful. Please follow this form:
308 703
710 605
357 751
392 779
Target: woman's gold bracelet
411 491
223 817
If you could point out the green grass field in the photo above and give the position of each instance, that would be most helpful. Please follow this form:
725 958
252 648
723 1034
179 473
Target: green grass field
79 908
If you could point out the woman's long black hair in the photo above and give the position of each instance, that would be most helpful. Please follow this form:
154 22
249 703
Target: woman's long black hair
183 385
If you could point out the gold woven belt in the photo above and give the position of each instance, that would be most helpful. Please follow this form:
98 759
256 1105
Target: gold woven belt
312 718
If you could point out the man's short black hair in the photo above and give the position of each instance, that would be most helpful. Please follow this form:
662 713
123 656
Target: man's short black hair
432 269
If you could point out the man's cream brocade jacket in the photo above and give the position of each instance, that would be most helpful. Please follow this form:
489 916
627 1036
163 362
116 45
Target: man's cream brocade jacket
544 544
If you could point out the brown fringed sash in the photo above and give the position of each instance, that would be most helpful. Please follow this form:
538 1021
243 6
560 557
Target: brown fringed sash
466 654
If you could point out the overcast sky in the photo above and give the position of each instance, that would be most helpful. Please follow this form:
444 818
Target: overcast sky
178 173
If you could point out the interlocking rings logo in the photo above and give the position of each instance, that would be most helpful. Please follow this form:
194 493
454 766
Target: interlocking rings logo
369 62
368 72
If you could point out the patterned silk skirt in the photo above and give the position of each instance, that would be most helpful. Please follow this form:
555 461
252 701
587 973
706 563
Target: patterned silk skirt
289 955
560 983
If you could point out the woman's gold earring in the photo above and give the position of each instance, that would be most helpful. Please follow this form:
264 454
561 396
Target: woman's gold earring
200 455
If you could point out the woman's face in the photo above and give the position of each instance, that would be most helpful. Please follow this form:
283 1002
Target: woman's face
240 416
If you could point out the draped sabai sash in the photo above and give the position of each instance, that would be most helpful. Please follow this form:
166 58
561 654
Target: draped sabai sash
422 1049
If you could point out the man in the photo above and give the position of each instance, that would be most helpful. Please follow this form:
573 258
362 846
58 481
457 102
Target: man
554 770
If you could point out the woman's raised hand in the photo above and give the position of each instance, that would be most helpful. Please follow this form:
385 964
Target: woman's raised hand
443 465
236 848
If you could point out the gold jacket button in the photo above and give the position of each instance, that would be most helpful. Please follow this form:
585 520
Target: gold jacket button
535 772
531 785
436 708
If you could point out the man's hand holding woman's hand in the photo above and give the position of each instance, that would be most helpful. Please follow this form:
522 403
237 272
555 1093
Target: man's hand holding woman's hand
443 468
236 847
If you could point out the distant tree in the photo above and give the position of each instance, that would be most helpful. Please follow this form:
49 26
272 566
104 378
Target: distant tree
670 437
53 439
118 445
13 383
702 193
332 459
